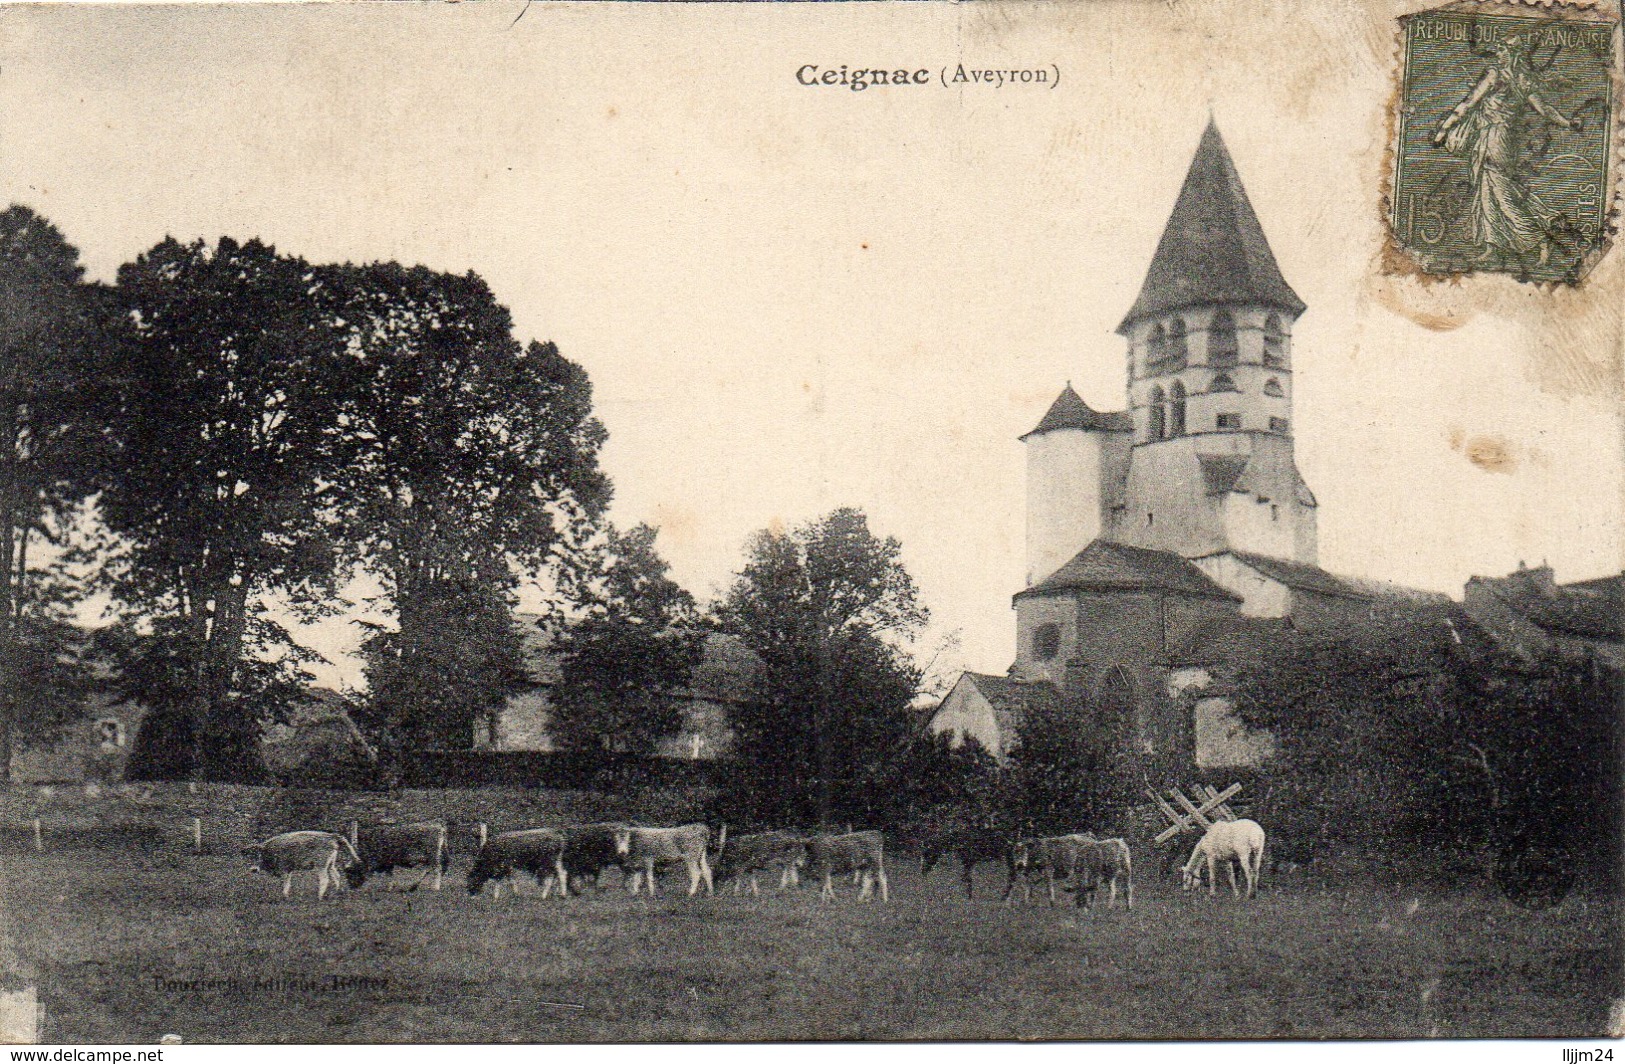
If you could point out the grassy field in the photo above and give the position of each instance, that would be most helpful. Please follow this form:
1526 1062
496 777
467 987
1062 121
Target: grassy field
99 929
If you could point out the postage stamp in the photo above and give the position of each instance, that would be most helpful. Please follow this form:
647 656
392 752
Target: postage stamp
1504 159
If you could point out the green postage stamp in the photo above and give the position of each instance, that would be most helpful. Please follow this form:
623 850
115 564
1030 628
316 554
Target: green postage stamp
1504 155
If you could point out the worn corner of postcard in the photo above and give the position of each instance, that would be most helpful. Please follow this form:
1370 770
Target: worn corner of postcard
1506 140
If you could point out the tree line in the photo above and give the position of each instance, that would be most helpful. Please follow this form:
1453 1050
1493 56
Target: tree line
228 436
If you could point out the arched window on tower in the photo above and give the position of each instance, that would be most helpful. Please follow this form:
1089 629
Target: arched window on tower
1158 415
1221 339
1156 348
1222 383
1273 387
1274 342
1176 343
1176 409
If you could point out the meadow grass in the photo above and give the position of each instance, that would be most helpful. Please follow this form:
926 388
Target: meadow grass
100 930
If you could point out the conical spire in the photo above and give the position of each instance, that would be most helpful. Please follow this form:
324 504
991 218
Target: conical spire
1069 411
1213 249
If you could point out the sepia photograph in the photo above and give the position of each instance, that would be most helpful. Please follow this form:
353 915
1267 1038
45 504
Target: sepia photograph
997 521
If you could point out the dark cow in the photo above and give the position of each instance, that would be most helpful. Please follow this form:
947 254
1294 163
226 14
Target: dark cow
972 846
588 850
641 849
1103 861
860 852
386 847
783 852
322 852
1055 858
539 851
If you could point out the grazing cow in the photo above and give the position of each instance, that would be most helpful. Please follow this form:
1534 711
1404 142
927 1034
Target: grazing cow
386 847
972 846
588 850
1056 857
858 852
641 849
1229 841
539 851
782 851
1103 861
321 852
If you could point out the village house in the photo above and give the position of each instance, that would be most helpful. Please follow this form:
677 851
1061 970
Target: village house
725 678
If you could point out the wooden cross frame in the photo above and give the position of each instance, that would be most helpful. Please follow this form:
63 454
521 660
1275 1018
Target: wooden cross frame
1195 816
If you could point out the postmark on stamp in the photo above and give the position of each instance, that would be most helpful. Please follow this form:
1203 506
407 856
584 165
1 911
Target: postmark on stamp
1504 154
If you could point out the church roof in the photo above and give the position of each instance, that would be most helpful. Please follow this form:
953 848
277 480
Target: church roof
1104 565
1069 411
1300 576
1213 249
1225 640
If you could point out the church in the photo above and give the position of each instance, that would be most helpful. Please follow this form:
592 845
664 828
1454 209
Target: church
1170 541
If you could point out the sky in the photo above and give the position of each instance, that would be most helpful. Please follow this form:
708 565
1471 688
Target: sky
791 298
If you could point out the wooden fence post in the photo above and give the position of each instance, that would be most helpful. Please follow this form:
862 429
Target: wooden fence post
39 839
197 834
482 833
355 834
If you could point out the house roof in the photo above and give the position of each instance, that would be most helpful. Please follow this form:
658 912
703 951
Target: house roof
992 686
1104 565
1069 411
1213 250
1300 576
319 729
728 671
1010 698
1590 609
1585 609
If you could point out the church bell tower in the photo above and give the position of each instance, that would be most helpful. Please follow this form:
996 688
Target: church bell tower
1210 383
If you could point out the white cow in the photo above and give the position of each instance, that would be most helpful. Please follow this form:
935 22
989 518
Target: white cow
1229 841
322 852
641 849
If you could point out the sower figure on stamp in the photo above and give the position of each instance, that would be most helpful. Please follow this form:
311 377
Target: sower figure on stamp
1508 218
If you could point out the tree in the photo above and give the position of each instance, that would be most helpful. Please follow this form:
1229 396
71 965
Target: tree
470 460
634 645
50 437
1065 773
829 610
1416 737
944 780
229 389
451 660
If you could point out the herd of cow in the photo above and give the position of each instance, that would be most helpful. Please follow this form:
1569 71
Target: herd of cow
568 857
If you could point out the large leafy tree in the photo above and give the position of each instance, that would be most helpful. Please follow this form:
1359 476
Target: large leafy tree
452 655
830 610
1416 737
51 436
470 459
229 391
633 644
1066 773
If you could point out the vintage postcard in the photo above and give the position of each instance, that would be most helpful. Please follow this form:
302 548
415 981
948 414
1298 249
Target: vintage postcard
536 522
